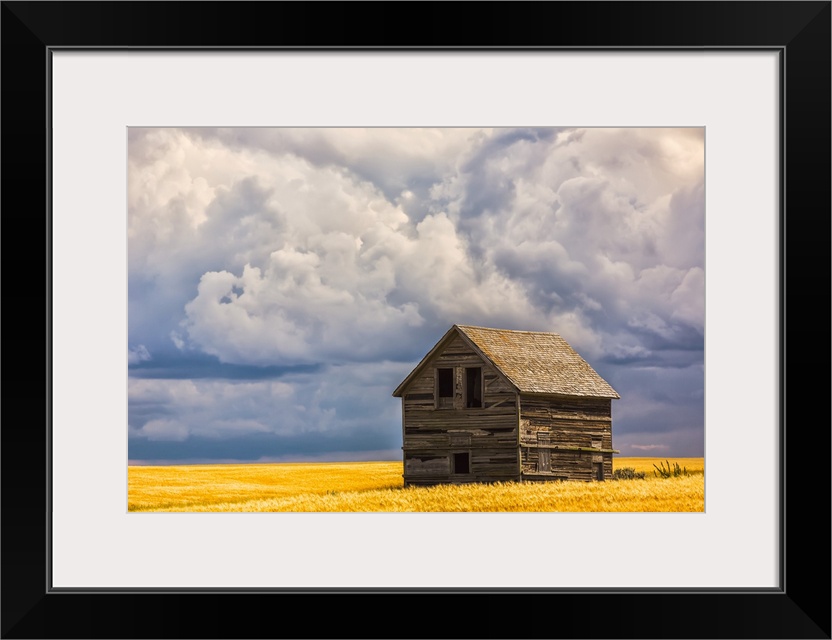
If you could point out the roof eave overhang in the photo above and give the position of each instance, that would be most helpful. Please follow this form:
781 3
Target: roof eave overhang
571 395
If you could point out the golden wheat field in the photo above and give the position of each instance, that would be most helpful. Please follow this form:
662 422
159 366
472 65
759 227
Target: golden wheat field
377 486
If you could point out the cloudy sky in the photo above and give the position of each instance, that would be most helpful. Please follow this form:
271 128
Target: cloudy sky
283 282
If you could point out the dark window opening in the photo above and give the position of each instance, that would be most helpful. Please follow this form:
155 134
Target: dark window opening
445 379
462 463
473 387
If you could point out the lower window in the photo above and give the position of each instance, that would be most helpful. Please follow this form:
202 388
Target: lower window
462 463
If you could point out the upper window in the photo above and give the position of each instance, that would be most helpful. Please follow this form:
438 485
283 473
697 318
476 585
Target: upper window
445 379
473 387
471 395
444 388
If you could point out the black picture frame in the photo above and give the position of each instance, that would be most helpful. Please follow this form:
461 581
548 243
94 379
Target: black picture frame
800 608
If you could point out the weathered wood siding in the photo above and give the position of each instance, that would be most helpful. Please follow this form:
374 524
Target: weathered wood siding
434 466
432 435
559 436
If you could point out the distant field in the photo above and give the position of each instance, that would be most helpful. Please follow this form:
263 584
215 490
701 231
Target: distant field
693 465
377 486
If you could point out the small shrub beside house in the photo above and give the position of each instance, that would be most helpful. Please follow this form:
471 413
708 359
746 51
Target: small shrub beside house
494 405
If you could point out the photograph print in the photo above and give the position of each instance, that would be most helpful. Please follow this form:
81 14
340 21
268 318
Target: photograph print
416 320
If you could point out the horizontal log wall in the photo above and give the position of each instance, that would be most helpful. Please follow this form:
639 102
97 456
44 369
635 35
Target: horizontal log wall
481 436
570 408
565 465
554 424
425 467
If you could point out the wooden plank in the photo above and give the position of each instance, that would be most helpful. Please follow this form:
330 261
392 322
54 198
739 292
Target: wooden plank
435 447
519 448
459 361
415 464
484 420
554 447
547 407
459 388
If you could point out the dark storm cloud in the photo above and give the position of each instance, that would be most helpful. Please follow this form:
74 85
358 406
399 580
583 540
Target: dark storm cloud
351 445
175 365
658 400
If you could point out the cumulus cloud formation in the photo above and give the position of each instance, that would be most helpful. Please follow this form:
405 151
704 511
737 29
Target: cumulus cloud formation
287 247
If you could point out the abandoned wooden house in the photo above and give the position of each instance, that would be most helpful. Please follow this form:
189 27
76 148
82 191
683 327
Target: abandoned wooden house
489 405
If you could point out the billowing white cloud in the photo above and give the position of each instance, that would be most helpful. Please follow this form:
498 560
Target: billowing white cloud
301 254
343 297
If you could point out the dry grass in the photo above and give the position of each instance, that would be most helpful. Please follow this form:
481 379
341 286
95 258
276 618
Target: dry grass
377 486
189 487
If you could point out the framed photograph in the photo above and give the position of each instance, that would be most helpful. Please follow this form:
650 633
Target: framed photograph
108 107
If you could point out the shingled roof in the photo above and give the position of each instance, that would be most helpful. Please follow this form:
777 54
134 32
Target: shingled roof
533 361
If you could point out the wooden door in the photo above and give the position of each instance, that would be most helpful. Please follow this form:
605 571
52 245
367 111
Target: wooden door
544 460
544 455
